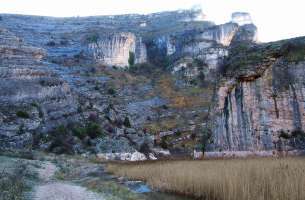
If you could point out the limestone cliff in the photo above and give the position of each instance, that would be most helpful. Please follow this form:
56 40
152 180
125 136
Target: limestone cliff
261 102
116 49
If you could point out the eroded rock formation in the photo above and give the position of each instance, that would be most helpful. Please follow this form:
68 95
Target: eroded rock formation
116 49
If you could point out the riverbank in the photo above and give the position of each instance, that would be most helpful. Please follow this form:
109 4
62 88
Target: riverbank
251 179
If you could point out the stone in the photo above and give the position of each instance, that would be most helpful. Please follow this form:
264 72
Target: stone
137 156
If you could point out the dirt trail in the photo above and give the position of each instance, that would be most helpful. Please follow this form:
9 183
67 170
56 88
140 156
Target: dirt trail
50 189
64 191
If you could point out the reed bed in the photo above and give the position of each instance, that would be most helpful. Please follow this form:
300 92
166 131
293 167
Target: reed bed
245 179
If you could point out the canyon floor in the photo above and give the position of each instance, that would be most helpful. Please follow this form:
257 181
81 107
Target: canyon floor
67 178
47 177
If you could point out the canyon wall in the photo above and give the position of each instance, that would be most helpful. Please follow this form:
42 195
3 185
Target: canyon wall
262 107
193 78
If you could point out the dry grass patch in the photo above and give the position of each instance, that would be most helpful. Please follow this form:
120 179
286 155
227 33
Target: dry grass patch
251 179
189 97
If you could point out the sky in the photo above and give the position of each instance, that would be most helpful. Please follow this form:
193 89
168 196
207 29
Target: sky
275 19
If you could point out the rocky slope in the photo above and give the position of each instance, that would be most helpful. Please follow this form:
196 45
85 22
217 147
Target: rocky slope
124 86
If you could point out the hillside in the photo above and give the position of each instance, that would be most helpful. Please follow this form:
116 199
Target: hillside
137 87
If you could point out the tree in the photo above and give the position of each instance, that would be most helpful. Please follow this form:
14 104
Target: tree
205 138
131 59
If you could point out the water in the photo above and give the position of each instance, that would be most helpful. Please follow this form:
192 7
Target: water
150 194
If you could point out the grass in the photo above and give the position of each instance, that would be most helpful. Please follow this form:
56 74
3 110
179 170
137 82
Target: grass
14 180
23 114
249 179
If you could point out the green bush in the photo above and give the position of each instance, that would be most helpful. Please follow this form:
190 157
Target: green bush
93 38
132 59
79 132
111 91
127 122
284 135
62 130
94 130
163 143
91 129
298 133
23 114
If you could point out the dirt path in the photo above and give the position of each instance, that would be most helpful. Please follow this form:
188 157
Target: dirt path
50 189
64 191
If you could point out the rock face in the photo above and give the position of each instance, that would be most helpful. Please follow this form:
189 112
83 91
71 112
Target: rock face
262 107
187 82
116 49
29 90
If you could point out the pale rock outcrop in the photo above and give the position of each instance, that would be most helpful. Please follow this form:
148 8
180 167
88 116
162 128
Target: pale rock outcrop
135 156
116 49
222 34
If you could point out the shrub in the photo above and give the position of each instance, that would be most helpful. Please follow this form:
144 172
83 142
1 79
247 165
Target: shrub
111 91
23 114
21 129
298 133
93 38
13 185
144 148
163 143
62 130
94 130
91 129
79 132
51 44
165 107
61 141
127 122
178 133
284 135
205 137
146 69
293 51
64 42
131 59
40 112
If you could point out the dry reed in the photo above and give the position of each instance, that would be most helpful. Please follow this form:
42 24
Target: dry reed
248 179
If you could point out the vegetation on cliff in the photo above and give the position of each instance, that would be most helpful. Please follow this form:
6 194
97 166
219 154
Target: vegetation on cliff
248 57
